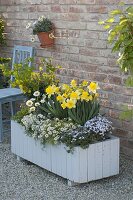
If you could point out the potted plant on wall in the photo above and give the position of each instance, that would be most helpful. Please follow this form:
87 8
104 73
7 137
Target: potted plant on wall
43 28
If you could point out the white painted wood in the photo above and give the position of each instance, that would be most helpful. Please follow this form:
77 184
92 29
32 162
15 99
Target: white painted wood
91 162
106 161
98 161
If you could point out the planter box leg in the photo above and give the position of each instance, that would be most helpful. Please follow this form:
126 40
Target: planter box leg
19 158
71 183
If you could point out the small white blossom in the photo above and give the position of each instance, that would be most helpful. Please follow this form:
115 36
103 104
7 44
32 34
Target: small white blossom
29 103
36 94
28 25
42 101
37 104
32 109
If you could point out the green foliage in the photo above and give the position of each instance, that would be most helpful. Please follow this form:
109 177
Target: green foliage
120 27
42 25
29 80
20 114
127 114
53 107
84 111
4 80
2 33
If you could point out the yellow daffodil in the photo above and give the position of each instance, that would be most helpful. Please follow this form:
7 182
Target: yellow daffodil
84 95
96 95
57 90
70 104
93 87
73 83
65 87
49 91
64 105
90 98
74 95
84 83
60 98
65 95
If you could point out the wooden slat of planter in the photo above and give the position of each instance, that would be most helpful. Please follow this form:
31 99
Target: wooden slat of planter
98 160
106 161
115 148
91 163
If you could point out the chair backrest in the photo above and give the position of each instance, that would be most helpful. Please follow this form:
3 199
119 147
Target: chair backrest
20 54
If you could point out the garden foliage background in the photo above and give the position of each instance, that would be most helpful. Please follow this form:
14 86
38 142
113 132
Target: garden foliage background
85 55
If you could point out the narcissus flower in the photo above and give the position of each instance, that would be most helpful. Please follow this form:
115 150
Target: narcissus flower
60 98
64 105
84 95
74 95
70 104
93 87
73 83
84 83
65 87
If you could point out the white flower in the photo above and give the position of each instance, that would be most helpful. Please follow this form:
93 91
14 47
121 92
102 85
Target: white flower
32 109
41 18
29 103
37 104
36 93
32 99
28 25
46 135
32 38
42 101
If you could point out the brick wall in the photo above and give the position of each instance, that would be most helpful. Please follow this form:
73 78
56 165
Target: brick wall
85 55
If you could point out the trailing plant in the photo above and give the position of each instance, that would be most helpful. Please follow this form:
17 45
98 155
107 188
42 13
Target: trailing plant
120 34
45 129
2 32
29 80
55 131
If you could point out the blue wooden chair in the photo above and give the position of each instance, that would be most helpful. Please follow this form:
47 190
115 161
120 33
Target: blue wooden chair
11 95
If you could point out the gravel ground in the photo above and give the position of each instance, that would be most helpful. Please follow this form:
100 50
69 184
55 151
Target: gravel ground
25 181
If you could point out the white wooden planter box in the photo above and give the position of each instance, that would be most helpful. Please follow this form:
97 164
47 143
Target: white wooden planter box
98 161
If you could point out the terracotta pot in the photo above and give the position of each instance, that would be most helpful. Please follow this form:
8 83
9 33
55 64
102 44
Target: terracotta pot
45 40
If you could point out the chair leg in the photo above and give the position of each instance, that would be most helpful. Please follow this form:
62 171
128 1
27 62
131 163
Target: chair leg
1 124
13 108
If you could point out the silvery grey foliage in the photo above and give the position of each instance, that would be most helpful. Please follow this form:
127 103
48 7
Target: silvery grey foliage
99 125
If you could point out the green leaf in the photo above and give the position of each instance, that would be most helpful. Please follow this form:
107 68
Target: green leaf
107 26
110 20
121 3
101 22
130 9
116 12
123 21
